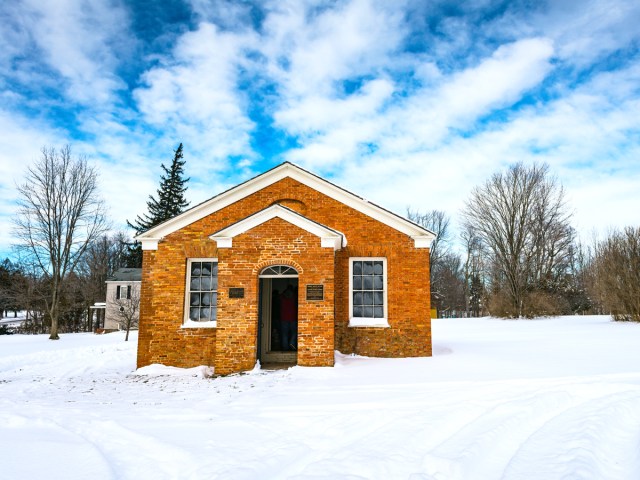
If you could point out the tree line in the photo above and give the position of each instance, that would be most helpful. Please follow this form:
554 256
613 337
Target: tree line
520 256
516 254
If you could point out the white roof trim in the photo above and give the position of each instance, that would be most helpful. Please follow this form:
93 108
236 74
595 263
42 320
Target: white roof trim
150 238
329 238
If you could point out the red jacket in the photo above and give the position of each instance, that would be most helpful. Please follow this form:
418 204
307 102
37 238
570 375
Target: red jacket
288 309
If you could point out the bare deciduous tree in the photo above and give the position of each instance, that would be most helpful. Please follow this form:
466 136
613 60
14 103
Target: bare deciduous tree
616 275
128 308
60 214
474 271
437 222
451 286
520 216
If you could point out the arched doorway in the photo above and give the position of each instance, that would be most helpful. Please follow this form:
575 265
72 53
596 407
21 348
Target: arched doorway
278 327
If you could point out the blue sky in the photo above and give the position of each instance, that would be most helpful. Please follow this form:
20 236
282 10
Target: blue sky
407 103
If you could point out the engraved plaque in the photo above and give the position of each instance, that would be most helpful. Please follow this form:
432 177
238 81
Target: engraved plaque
236 293
315 292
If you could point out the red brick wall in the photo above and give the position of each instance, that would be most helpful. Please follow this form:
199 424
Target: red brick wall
232 346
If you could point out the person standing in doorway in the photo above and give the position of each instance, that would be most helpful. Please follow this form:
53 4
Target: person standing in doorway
289 319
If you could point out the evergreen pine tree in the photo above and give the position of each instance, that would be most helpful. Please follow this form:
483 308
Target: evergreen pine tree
169 203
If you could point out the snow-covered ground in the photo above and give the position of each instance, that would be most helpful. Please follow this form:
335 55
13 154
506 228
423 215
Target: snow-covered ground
537 399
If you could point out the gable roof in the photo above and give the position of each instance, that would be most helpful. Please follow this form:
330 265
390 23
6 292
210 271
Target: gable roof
328 236
126 275
151 237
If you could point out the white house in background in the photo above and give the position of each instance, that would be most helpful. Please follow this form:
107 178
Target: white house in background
123 295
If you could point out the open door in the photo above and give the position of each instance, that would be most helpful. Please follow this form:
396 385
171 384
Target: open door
277 331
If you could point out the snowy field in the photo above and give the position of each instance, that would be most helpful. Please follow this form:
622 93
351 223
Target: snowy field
541 399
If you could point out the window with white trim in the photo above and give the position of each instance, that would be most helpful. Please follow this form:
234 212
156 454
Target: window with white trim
123 292
202 291
368 292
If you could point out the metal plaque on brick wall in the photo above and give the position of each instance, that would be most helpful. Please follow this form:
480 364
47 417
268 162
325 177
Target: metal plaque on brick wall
315 292
236 293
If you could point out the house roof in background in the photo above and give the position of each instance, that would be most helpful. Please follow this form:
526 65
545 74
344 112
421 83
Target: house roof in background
126 275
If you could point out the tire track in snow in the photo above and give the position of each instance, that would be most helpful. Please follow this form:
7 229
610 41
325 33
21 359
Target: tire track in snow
485 446
600 435
125 448
62 453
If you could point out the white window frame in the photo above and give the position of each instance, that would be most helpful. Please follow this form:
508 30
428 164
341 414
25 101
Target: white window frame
124 291
187 322
366 321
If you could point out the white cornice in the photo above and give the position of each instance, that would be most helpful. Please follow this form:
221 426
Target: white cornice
329 238
420 235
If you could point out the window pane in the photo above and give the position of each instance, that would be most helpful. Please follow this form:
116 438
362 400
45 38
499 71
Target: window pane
214 313
206 269
205 284
357 298
196 268
367 312
357 283
195 299
195 284
367 283
357 312
378 312
377 268
193 314
206 299
378 298
378 282
357 268
367 268
214 282
368 298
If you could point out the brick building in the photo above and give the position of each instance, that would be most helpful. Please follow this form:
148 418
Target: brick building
284 268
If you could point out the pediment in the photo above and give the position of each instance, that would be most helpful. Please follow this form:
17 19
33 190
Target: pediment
329 238
421 236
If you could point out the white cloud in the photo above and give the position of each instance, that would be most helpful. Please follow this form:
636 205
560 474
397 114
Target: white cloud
82 40
335 130
587 30
194 95
308 53
498 81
